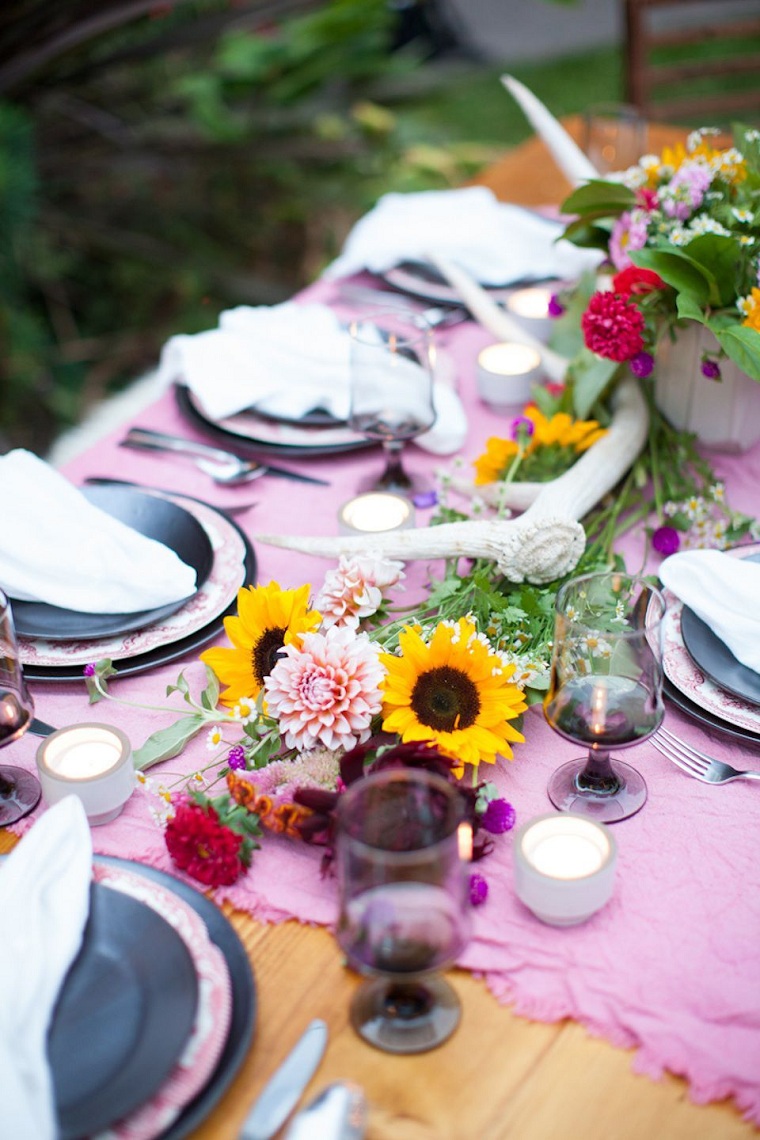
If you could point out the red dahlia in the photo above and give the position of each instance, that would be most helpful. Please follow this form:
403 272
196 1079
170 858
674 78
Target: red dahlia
612 327
201 845
636 282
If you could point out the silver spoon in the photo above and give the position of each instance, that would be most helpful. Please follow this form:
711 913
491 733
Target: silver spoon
222 466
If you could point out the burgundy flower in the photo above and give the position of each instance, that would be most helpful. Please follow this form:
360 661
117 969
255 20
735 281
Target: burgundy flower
666 540
199 844
642 364
478 889
498 817
612 327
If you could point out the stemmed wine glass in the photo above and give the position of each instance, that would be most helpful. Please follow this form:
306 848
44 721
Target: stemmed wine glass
19 790
392 361
605 689
403 905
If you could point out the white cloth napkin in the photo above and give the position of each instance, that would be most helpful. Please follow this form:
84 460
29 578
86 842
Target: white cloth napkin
567 154
495 242
288 358
58 548
724 592
44 903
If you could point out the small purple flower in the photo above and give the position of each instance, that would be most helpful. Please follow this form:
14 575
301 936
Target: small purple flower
710 369
478 889
666 540
498 817
236 757
425 499
555 307
521 427
642 364
89 670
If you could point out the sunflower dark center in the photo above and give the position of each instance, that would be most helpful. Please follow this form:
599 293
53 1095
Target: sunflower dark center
264 654
445 699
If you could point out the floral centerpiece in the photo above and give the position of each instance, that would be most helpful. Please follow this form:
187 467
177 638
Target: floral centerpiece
681 235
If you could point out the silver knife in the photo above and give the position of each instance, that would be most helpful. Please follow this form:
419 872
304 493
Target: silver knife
283 1090
339 1112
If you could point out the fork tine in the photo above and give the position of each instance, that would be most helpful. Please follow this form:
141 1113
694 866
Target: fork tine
682 759
688 748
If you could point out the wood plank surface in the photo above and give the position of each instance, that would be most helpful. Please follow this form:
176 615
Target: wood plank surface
500 1077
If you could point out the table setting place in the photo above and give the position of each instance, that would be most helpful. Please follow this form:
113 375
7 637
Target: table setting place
371 597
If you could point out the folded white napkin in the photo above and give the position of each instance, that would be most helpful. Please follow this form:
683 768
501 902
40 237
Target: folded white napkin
495 242
289 359
55 547
724 592
44 903
569 157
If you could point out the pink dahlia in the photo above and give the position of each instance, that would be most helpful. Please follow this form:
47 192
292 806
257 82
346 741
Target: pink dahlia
628 233
327 690
612 327
355 589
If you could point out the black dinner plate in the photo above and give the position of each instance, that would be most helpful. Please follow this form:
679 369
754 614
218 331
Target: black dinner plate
715 658
123 1016
705 718
246 442
153 517
163 654
243 985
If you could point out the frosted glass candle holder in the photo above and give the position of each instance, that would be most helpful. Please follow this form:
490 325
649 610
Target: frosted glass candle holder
91 761
564 867
530 308
506 375
375 512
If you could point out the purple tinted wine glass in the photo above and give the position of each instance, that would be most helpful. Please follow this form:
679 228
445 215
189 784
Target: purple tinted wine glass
19 790
403 905
605 690
392 388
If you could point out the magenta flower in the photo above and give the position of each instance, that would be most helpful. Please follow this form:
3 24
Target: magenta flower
612 327
642 364
686 190
710 369
666 540
478 889
326 690
236 757
498 817
89 670
520 427
555 307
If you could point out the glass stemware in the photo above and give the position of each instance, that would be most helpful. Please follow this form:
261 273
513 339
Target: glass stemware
392 358
403 905
605 690
19 790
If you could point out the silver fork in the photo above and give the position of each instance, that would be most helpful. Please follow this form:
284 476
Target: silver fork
696 763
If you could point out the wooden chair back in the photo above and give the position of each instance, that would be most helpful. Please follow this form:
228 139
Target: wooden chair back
694 62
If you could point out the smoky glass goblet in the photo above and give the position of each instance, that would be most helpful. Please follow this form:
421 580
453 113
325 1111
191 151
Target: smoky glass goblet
19 790
404 905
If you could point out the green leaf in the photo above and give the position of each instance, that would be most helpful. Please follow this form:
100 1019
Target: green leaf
181 686
103 670
718 255
590 376
210 695
688 309
599 197
742 344
677 269
167 742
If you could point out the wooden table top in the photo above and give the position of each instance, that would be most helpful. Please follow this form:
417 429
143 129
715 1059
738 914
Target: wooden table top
500 1077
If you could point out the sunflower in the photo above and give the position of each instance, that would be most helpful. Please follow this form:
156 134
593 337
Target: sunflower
554 445
454 691
267 619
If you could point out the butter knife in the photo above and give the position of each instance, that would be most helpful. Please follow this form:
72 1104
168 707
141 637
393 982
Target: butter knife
283 1090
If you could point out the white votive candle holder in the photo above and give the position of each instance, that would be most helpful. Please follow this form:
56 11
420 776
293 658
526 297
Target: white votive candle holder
564 867
91 761
530 308
506 375
375 512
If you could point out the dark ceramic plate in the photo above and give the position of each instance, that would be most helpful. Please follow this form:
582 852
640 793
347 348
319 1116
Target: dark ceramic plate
223 935
245 439
163 654
715 658
705 718
123 1016
153 517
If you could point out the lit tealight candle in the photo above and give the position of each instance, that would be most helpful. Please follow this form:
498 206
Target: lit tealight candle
530 308
506 375
91 761
564 867
374 513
